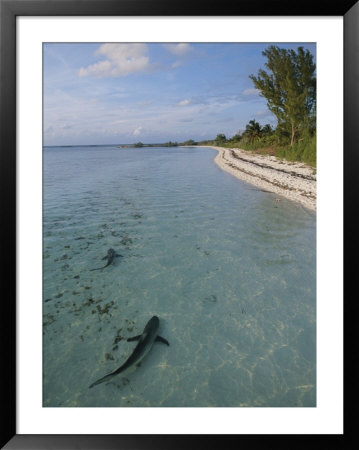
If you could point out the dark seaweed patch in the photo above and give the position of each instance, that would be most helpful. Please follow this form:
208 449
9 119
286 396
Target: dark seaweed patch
126 241
105 309
88 302
49 319
117 339
210 299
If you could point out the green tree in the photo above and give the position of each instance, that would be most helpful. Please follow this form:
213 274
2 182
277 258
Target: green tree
190 142
253 130
220 138
289 87
237 137
170 144
267 130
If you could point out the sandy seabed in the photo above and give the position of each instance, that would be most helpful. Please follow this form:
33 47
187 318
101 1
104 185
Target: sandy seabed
293 180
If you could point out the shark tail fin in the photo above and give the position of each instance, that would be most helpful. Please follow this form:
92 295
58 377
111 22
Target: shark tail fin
102 380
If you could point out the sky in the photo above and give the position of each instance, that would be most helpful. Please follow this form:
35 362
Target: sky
123 93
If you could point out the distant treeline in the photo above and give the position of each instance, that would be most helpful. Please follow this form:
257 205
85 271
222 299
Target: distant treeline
165 144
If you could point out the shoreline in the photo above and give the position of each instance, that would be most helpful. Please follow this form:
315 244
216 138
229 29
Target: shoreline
292 180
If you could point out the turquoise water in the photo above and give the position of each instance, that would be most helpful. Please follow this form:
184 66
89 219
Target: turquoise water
230 272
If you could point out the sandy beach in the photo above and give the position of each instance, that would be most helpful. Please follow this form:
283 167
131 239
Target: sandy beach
293 180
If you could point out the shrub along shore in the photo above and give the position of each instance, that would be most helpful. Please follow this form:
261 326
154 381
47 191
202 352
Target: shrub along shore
302 151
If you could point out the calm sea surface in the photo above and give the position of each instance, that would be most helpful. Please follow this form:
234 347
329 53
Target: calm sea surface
230 273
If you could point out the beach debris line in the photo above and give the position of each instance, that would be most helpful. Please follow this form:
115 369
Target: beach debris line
145 342
294 181
111 255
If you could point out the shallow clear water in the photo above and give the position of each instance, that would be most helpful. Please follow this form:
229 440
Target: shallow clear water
230 272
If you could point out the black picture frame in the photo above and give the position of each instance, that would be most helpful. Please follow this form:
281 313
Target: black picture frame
9 10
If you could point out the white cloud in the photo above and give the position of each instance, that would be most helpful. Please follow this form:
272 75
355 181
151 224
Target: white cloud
116 122
184 102
251 92
176 64
137 131
263 112
178 49
121 60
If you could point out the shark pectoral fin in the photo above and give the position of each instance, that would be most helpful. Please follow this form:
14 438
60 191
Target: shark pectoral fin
161 339
117 254
104 258
135 338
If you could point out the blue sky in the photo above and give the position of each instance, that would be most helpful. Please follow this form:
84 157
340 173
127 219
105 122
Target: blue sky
108 93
